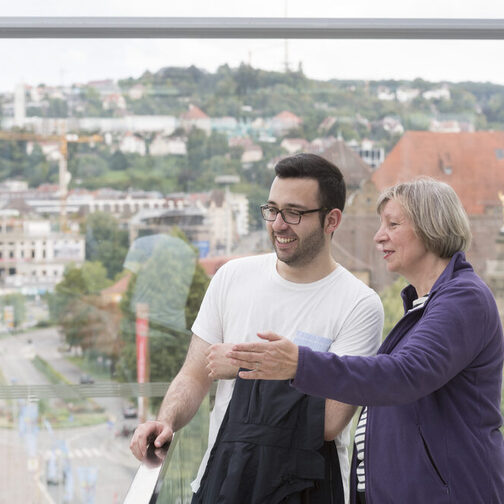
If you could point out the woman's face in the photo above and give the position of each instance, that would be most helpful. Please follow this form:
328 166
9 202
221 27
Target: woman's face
402 249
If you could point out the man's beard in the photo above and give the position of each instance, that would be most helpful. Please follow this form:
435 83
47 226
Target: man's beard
306 251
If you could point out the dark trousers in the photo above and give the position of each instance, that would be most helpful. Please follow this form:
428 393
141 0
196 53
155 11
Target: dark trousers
361 498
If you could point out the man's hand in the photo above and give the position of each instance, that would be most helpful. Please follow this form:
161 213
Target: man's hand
157 432
218 365
276 359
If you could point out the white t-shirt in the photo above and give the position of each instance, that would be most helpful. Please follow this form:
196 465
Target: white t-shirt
338 313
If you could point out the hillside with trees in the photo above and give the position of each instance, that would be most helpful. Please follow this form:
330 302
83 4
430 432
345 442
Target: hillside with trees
353 110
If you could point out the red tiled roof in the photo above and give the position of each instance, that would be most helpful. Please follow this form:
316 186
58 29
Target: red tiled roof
354 169
287 116
47 188
466 161
194 113
240 142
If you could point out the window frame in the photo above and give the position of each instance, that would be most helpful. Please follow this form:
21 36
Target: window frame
251 28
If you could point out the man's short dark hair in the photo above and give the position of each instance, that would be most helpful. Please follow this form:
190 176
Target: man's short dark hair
332 189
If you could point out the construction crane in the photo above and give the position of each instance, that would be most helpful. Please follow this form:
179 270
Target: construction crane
64 175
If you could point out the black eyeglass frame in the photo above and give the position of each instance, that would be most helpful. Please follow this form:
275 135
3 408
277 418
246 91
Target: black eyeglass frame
299 213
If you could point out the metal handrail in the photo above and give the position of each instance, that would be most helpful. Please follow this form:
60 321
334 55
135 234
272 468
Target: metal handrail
251 28
74 391
148 481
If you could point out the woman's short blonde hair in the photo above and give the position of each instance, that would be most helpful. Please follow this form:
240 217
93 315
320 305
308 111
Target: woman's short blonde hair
436 212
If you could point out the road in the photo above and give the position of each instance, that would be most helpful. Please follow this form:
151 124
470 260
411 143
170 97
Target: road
94 457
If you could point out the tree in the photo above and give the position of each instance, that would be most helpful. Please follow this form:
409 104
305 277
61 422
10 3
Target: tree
216 144
89 165
17 302
39 170
95 277
105 242
57 108
118 161
74 304
93 104
72 286
392 304
196 149
246 79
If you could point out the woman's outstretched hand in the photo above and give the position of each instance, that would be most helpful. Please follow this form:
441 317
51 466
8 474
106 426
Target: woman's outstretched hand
274 359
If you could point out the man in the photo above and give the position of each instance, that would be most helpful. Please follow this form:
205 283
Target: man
300 291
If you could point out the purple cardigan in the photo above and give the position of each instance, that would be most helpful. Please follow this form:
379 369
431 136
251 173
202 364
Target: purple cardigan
433 394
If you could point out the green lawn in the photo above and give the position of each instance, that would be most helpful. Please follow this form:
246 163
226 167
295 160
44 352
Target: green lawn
67 413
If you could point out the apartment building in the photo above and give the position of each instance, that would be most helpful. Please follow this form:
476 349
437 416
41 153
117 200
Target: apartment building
33 257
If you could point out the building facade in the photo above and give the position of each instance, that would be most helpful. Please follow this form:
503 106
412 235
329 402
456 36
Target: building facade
33 257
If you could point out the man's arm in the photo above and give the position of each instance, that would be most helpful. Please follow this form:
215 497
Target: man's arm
180 403
217 364
360 336
337 416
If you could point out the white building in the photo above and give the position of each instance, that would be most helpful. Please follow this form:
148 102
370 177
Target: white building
368 152
137 92
442 93
293 145
449 126
12 185
164 145
385 94
252 153
194 117
50 149
284 122
58 125
227 125
132 144
392 125
33 257
19 105
405 95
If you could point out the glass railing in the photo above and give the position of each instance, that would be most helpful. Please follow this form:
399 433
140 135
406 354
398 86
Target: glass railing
85 457
165 475
102 273
73 391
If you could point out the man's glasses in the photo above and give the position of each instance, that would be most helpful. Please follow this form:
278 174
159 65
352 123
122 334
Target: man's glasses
270 213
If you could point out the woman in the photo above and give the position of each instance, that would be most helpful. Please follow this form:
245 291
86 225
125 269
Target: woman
429 432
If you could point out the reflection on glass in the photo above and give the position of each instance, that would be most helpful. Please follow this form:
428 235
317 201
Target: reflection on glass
185 460
164 268
120 197
164 477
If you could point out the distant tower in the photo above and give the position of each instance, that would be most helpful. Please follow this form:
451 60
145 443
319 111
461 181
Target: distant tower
286 56
286 44
227 181
19 105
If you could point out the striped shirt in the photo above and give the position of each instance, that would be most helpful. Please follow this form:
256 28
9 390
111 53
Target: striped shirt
360 435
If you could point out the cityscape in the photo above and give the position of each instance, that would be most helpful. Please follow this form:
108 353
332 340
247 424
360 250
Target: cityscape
119 200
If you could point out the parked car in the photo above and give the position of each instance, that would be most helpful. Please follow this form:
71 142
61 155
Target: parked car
54 470
85 379
130 411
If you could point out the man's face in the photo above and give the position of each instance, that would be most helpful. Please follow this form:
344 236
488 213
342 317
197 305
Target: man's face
296 244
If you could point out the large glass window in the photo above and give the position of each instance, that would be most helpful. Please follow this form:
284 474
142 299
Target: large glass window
131 170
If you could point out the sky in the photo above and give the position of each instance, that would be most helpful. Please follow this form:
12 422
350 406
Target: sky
64 62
